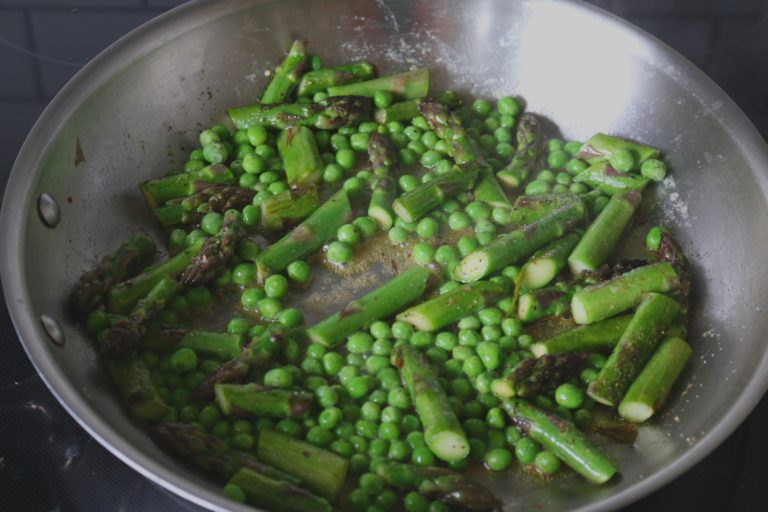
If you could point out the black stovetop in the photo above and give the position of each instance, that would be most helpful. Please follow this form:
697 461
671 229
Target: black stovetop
48 463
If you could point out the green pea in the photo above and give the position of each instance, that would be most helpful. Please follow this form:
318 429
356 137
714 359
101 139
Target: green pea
587 375
370 411
326 396
359 142
332 363
244 273
399 398
183 360
407 157
473 366
569 396
358 387
382 346
526 450
355 359
481 107
508 105
498 459
389 431
96 321
380 330
496 418
238 326
269 307
422 339
622 160
208 136
458 221
298 271
469 322
401 330
269 177
422 253
547 462
430 158
427 227
490 354
422 456
276 286
446 254
375 363
504 150
346 158
462 353
446 341
366 226
339 252
278 378
466 244
478 210
578 188
653 238
332 173
360 343
257 135
348 234
575 166
557 159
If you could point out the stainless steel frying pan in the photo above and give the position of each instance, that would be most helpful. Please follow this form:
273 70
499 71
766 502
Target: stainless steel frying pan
127 115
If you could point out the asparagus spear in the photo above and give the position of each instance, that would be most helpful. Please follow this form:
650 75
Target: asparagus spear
562 438
648 392
139 393
529 143
321 79
214 198
413 205
603 234
216 345
547 262
594 337
257 354
609 298
605 421
408 85
321 471
329 114
287 75
508 248
248 400
215 252
307 237
536 304
442 431
527 209
124 336
288 208
408 109
534 376
452 306
131 256
301 158
383 155
123 296
277 495
452 488
210 453
603 177
600 147
382 302
636 345
160 190
448 127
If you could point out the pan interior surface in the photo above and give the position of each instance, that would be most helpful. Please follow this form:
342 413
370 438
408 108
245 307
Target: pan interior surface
135 110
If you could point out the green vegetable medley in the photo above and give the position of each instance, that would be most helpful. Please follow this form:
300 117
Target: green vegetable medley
508 335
